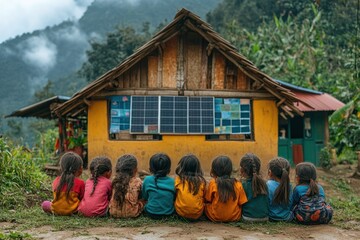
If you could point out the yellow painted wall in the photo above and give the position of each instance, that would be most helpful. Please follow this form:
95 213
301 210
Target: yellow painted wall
265 122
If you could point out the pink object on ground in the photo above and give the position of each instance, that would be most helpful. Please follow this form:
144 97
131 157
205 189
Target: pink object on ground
46 206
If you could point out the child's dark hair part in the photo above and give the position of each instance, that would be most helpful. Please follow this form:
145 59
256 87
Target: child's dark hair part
160 165
221 168
306 172
280 168
98 167
125 168
251 164
189 169
70 163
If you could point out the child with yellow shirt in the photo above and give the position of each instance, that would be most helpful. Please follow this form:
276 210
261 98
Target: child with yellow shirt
190 188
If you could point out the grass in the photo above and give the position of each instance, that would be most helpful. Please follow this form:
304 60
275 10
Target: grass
346 205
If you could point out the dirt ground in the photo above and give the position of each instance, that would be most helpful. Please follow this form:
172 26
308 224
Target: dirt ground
198 231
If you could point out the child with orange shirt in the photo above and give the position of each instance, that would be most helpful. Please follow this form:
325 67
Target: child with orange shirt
225 195
190 188
68 189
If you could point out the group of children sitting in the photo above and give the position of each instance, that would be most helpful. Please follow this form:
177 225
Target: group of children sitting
222 199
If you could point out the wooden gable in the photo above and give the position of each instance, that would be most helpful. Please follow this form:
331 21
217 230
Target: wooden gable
183 62
186 57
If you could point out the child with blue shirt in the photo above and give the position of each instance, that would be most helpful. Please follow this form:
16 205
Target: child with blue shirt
309 197
159 189
280 190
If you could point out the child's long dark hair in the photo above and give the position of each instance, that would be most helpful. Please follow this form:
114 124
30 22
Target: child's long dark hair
189 169
125 168
98 167
306 172
160 165
221 168
280 168
251 164
70 163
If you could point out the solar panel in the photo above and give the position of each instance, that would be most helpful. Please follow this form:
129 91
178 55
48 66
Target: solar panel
173 114
144 114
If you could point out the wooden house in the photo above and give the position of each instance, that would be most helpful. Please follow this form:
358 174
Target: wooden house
187 90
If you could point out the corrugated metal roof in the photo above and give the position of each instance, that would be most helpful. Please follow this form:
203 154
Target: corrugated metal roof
40 109
319 102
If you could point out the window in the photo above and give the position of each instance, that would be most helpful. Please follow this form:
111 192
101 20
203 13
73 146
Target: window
119 114
232 116
156 115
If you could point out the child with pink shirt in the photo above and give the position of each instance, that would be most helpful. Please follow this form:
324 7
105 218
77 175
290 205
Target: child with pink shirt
97 189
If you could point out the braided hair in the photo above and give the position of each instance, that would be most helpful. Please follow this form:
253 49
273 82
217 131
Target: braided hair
280 168
306 172
221 168
98 167
251 164
70 163
189 170
125 168
160 165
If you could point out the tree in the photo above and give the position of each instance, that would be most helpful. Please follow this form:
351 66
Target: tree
104 56
297 53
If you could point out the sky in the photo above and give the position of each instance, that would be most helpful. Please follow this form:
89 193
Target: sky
22 16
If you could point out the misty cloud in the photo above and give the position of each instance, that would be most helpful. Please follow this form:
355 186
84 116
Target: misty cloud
21 16
39 52
72 34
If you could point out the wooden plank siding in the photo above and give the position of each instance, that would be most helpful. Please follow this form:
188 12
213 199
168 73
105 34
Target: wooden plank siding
193 54
169 63
219 73
153 71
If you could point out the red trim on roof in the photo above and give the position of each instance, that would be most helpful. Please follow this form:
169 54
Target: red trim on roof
319 102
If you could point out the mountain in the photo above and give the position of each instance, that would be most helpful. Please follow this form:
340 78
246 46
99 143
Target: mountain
56 53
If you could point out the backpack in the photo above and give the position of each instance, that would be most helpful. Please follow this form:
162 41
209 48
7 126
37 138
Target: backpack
312 210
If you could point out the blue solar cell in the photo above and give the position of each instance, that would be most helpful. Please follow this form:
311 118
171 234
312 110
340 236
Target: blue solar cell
236 130
137 128
226 122
194 121
135 121
180 129
194 128
152 121
207 121
207 128
244 107
166 128
245 115
245 122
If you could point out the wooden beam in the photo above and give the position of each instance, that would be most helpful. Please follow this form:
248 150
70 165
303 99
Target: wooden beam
174 92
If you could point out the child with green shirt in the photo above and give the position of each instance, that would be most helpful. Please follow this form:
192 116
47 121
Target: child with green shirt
257 207
159 189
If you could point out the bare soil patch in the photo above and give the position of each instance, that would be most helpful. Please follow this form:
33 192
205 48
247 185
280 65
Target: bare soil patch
198 231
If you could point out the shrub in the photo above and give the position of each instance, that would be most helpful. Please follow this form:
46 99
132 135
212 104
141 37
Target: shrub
21 181
325 158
